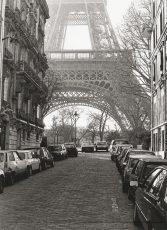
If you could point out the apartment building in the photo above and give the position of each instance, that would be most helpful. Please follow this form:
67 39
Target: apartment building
24 67
159 76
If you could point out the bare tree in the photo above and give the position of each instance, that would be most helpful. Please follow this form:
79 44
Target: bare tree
97 123
132 38
53 84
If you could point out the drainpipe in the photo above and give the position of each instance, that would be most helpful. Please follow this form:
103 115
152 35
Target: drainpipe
2 16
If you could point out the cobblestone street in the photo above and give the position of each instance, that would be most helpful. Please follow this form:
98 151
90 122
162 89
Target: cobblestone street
78 193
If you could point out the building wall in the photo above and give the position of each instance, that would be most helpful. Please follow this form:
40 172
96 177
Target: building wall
159 83
24 67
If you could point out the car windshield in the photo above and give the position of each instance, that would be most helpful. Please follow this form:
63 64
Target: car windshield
101 143
1 157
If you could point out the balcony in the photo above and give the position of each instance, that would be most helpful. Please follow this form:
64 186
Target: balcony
24 67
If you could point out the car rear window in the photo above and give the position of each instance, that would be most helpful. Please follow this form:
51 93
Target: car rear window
22 155
69 146
121 142
148 169
101 143
1 157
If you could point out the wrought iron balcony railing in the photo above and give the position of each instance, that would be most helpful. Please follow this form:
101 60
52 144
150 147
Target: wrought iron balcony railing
24 67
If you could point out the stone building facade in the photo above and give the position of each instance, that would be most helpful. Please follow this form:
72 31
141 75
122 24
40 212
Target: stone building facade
24 67
159 76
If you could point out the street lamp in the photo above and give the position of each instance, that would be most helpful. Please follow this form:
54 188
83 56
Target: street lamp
76 116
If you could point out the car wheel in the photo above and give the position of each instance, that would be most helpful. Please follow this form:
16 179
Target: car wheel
1 185
11 179
136 219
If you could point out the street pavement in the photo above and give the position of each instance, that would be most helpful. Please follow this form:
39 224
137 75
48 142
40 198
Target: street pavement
82 193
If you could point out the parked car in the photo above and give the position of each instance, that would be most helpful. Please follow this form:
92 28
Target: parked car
2 180
117 142
118 149
71 149
12 165
132 160
46 159
87 147
140 171
58 151
151 201
32 161
101 145
119 158
124 160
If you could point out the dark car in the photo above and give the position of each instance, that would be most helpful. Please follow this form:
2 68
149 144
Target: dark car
124 160
87 147
140 171
44 155
151 201
58 151
101 145
71 149
119 158
118 150
132 160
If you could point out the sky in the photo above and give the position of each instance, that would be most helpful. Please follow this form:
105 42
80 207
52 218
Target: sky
78 38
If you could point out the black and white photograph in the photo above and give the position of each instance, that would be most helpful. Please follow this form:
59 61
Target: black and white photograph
83 114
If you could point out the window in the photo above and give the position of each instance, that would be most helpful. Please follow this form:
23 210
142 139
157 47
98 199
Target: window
156 186
24 134
163 140
28 135
161 23
11 157
161 59
153 10
151 176
138 168
1 157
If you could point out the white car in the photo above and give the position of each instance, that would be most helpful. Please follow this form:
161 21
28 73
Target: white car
12 165
32 162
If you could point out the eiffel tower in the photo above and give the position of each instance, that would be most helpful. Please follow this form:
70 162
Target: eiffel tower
89 77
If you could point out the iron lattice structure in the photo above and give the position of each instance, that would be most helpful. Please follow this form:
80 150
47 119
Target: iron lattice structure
94 77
